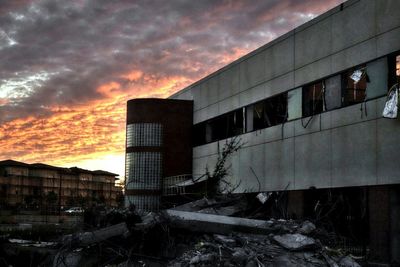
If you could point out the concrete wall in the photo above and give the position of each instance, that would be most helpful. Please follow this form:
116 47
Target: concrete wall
339 148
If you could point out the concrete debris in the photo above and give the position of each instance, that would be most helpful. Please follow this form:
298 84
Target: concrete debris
148 221
249 250
186 237
208 223
263 197
67 259
330 262
240 256
225 211
348 262
222 206
225 240
197 205
307 228
31 243
295 242
210 257
88 238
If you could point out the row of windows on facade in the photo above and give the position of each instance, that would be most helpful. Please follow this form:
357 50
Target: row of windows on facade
144 134
355 85
143 170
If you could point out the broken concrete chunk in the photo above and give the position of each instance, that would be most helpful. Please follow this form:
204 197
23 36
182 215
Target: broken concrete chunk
67 259
348 262
295 242
252 263
225 211
225 240
307 228
239 256
329 261
284 261
208 223
88 238
263 197
203 258
196 205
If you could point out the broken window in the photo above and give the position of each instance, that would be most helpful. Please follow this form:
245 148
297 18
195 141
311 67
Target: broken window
219 128
333 93
222 127
377 72
354 86
249 118
258 116
394 69
294 104
270 112
236 122
313 100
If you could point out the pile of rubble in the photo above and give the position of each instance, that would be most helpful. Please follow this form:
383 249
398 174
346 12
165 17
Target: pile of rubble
200 233
293 248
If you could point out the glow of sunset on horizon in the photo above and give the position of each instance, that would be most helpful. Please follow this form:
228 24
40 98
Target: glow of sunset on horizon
68 67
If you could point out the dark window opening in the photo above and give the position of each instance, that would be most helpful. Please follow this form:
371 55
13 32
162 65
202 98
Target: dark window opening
313 99
218 128
354 86
259 116
270 112
235 123
394 69
199 134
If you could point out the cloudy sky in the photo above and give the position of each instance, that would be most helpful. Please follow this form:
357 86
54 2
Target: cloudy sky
67 68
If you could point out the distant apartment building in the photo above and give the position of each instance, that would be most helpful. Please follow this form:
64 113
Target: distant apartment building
36 185
308 109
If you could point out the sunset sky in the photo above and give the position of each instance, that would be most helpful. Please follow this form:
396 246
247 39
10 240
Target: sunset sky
67 68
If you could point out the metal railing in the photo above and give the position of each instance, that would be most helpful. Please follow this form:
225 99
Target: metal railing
171 184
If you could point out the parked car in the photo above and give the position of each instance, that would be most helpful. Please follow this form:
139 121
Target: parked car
75 210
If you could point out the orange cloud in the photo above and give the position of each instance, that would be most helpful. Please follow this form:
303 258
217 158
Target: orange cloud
72 135
237 53
133 75
82 135
109 89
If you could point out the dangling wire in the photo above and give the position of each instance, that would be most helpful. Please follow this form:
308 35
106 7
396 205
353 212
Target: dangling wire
314 105
364 103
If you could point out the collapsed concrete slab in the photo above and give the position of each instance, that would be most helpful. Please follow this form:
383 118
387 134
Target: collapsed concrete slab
88 238
209 223
295 242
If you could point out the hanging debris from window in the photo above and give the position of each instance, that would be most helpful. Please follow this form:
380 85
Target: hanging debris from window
390 110
357 75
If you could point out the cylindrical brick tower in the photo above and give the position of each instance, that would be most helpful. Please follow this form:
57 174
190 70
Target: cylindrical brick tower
158 145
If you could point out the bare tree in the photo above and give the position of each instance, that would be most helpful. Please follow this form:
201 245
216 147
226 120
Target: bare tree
216 180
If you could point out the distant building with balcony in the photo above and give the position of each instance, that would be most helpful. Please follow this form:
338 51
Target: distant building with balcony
37 185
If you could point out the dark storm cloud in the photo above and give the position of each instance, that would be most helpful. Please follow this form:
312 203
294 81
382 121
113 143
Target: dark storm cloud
59 52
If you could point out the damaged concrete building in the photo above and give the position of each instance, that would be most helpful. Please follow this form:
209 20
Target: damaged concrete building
308 109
